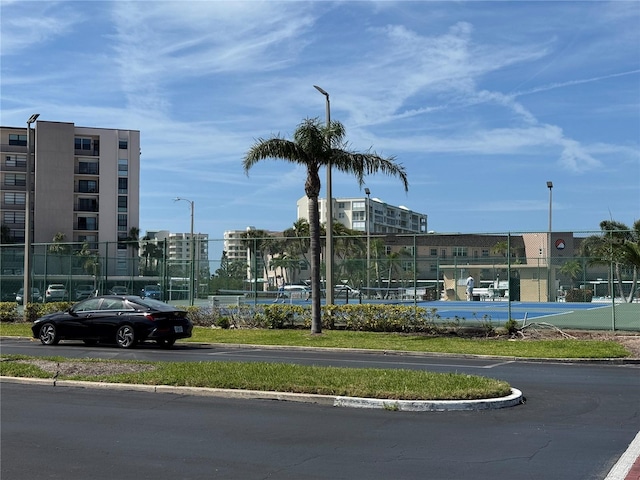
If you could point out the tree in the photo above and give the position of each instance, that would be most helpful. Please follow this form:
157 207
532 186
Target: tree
297 240
5 235
614 246
572 269
315 146
90 262
132 241
59 248
259 244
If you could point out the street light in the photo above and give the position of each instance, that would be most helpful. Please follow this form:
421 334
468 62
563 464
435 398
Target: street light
329 247
192 253
550 294
26 292
368 227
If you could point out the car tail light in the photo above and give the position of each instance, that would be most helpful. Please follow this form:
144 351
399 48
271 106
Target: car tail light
149 316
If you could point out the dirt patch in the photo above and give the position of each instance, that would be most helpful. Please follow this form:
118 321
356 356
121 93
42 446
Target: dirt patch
88 368
630 340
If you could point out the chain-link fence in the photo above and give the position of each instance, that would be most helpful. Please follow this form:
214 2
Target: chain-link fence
560 267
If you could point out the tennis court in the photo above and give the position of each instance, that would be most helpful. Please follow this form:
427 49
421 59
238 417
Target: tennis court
591 316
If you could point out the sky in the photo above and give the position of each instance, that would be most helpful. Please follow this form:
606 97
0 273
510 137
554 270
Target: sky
481 102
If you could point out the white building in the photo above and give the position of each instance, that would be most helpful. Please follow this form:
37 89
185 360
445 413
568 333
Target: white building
179 247
355 213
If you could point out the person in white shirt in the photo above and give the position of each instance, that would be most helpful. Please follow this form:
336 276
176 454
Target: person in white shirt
470 283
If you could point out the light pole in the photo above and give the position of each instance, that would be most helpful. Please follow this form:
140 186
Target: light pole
26 292
549 293
329 247
192 253
368 227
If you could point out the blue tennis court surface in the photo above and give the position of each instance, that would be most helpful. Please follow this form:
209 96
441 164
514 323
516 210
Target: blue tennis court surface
499 311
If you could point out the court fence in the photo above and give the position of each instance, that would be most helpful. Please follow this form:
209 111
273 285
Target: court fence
539 267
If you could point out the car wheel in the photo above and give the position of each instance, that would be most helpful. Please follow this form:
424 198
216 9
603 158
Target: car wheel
49 334
125 336
166 342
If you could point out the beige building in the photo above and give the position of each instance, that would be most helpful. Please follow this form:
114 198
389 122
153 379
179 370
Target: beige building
368 214
85 185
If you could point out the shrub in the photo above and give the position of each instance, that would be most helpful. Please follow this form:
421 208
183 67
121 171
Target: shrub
578 295
511 326
8 312
37 310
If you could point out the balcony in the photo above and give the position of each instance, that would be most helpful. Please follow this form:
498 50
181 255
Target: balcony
87 169
86 207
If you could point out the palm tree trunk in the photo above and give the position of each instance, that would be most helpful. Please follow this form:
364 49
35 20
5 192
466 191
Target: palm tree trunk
314 230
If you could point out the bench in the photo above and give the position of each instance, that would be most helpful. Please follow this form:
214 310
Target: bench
226 300
486 293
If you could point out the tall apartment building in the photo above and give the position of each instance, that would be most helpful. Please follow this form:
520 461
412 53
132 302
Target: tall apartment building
358 212
85 185
179 248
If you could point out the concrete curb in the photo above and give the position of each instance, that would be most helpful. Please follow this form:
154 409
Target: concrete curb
515 398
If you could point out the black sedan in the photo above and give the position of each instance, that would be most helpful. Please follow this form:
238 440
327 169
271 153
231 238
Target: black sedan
124 320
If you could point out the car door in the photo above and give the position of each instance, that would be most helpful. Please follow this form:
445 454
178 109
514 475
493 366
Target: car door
78 323
105 322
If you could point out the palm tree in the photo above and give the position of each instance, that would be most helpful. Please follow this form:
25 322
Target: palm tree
59 248
572 269
296 241
132 242
259 244
315 146
615 246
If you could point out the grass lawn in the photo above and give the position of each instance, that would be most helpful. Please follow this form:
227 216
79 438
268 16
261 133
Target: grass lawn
376 383
354 382
560 348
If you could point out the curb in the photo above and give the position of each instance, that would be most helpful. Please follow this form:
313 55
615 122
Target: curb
515 398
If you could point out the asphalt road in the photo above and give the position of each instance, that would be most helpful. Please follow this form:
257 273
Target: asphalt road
577 421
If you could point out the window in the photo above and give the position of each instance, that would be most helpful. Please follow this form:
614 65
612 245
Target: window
122 241
15 161
123 167
13 217
87 205
485 252
90 168
19 140
15 179
112 304
91 240
82 144
88 186
122 222
89 305
14 198
87 223
123 185
358 206
122 203
459 251
443 253
433 252
123 144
